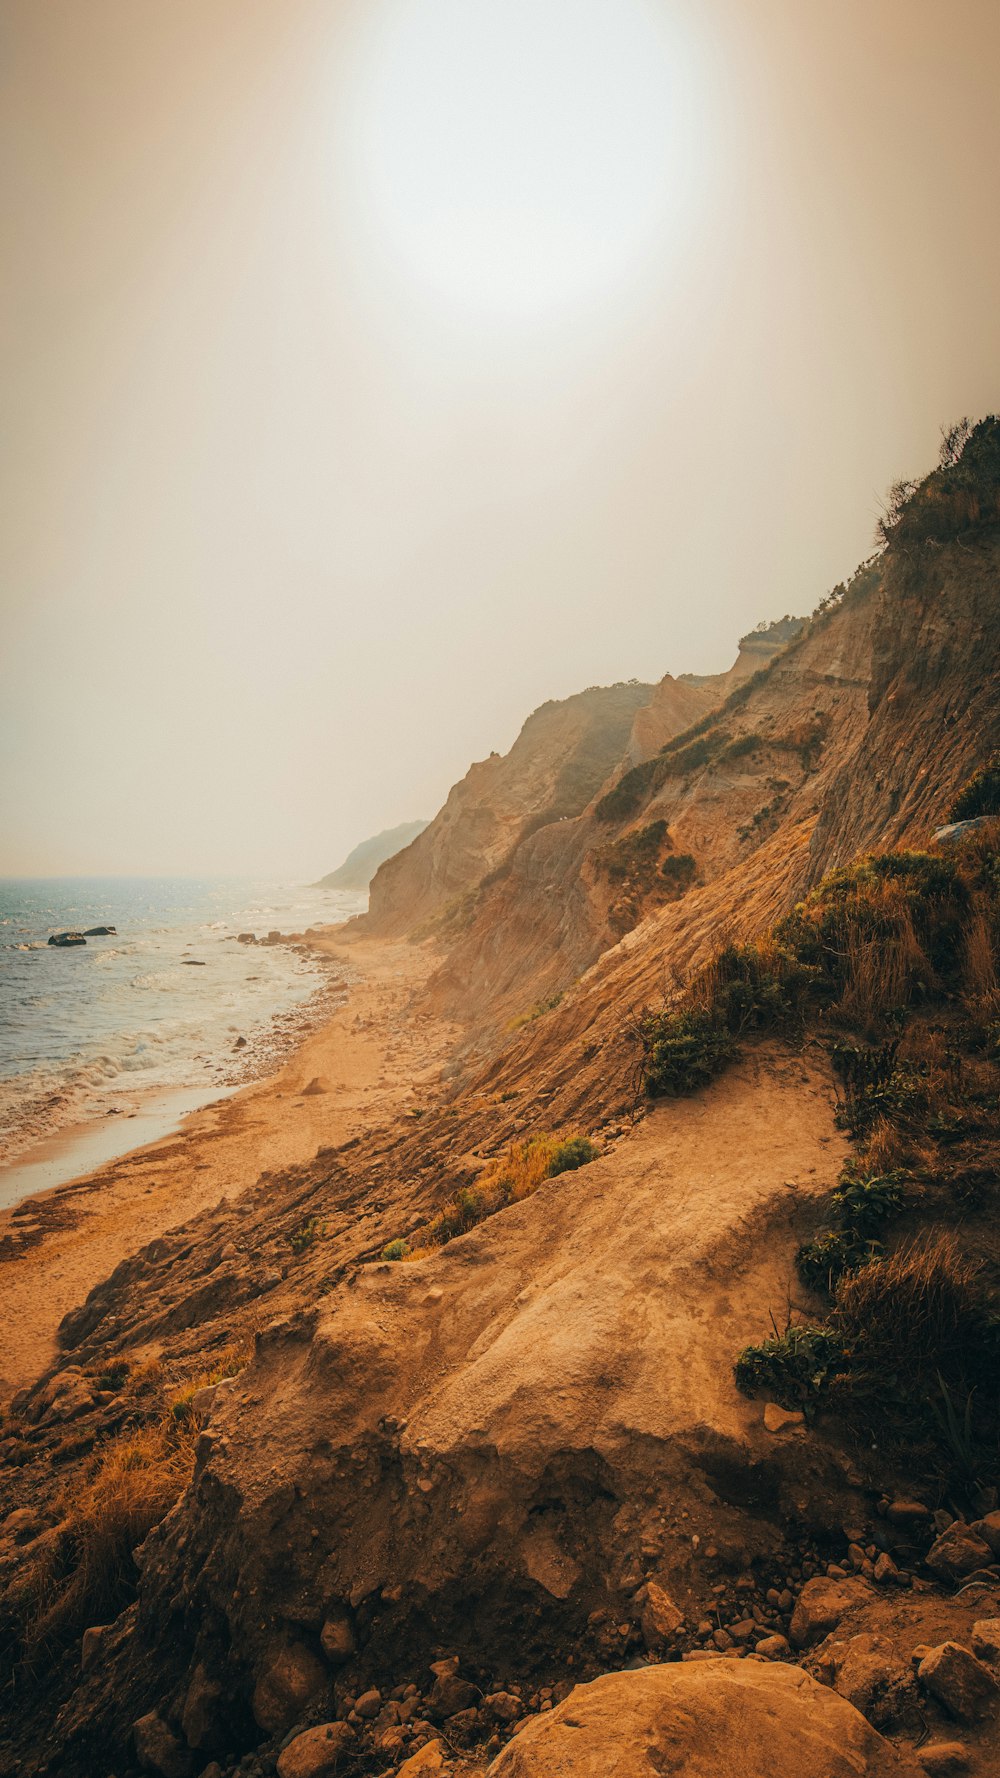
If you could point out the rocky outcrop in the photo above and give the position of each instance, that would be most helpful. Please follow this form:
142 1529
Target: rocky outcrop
932 707
557 764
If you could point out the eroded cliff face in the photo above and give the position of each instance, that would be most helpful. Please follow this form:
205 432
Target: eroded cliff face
932 707
558 762
564 898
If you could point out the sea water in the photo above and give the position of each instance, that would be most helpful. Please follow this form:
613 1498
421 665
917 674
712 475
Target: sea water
89 1032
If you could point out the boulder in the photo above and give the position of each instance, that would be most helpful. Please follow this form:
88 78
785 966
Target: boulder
90 1647
369 1704
986 1639
960 1682
337 1639
158 1749
201 1708
23 1524
989 1530
701 1719
63 940
317 1752
782 1419
100 932
773 1648
870 1675
903 1511
450 1694
944 1757
660 1616
957 1552
819 1609
427 1760
289 1679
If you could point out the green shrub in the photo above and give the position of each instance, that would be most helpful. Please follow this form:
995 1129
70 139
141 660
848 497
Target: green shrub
575 1152
678 871
981 795
793 1367
877 1086
860 1207
683 1051
822 1262
397 1249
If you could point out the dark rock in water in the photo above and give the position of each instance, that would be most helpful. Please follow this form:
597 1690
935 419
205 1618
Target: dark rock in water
101 932
64 939
246 938
192 962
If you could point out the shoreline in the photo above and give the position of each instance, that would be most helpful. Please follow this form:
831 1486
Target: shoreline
38 1151
363 1064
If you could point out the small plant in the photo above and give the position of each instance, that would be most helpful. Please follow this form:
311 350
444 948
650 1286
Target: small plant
861 1206
793 1367
302 1238
398 1249
678 871
980 795
575 1152
538 1011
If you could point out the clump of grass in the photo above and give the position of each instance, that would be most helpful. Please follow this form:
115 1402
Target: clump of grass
301 1239
90 1574
908 1357
507 1180
538 1011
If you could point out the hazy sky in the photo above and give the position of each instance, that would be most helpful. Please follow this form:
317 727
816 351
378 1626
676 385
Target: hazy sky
376 369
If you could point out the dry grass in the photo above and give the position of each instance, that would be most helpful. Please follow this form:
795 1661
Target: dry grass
981 980
925 1304
883 959
89 1572
508 1179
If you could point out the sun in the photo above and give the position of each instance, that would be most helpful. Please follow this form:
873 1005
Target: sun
519 157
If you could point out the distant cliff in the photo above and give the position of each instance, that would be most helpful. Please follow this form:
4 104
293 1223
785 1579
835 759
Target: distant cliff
360 866
558 763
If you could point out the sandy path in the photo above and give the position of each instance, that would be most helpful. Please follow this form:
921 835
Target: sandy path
368 1060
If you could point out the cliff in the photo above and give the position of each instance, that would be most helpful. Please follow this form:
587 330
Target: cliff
560 759
360 866
470 1433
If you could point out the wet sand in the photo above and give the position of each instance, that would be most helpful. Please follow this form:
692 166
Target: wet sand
368 1063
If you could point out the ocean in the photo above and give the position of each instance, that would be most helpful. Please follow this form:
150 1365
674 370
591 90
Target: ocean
87 1034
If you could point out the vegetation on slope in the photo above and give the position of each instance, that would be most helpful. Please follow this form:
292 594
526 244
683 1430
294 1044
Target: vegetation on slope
643 866
897 958
508 1179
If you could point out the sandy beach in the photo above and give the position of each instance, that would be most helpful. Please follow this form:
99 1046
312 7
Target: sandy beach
366 1064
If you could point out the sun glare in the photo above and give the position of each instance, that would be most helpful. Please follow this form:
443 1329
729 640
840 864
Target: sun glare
517 157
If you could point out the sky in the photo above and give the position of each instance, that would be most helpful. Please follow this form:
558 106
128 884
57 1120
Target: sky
374 370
